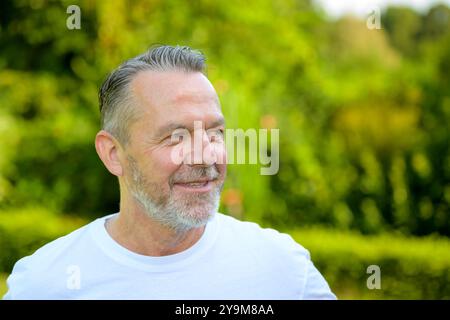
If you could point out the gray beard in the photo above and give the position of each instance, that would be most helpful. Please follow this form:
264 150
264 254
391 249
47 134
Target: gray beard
178 214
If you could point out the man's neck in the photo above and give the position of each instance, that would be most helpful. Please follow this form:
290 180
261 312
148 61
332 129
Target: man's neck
137 232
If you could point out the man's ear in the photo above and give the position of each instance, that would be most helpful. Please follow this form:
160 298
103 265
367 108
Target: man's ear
108 149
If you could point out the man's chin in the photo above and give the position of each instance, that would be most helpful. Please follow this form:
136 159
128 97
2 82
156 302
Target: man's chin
202 215
187 221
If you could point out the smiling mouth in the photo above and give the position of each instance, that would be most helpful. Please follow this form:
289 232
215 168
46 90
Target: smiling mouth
196 186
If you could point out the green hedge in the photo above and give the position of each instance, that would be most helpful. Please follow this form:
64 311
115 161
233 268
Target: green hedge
23 231
411 268
3 287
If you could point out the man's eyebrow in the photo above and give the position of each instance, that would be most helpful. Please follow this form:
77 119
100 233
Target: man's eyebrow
169 128
218 122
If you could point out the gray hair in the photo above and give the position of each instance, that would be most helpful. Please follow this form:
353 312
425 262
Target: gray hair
116 102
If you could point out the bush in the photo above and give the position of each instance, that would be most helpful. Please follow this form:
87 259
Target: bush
3 287
411 268
24 231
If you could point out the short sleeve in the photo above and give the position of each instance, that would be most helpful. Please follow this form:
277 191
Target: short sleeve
316 287
16 280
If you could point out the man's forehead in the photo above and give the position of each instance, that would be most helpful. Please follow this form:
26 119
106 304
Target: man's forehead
170 100
155 88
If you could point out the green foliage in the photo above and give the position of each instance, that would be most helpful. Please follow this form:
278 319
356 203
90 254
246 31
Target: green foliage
363 117
363 113
411 268
24 231
3 286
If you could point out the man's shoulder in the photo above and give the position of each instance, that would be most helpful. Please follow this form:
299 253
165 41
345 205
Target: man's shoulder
287 261
47 254
40 268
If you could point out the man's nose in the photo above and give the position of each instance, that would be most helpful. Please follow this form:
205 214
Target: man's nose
202 150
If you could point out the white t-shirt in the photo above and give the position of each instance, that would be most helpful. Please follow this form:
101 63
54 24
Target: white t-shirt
232 260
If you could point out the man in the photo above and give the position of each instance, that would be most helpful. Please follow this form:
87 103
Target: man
168 241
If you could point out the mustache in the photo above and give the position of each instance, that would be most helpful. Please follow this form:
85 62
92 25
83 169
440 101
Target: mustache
194 174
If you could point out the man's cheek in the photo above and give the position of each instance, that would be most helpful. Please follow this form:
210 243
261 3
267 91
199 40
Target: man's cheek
220 154
222 170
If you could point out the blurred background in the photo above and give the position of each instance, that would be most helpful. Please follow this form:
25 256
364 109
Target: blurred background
363 111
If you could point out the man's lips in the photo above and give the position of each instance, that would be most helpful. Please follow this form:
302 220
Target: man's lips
202 185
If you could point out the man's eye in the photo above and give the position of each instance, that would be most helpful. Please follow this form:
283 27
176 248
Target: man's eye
216 135
218 131
175 139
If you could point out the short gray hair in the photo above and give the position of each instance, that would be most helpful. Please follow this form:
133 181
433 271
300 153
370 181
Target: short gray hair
116 102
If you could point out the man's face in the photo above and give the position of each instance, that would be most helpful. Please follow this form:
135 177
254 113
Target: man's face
178 195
